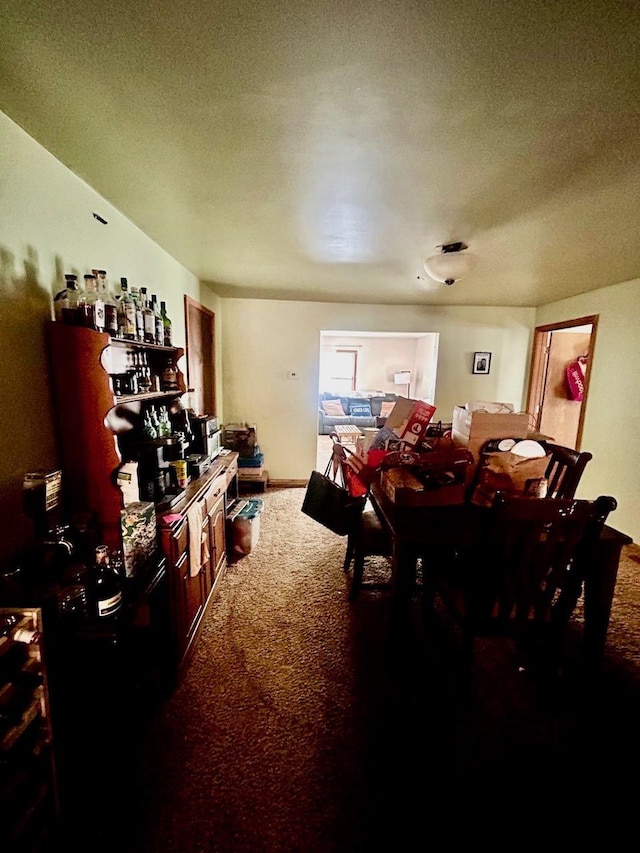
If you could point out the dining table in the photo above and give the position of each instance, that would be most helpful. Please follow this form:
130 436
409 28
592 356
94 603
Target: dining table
422 531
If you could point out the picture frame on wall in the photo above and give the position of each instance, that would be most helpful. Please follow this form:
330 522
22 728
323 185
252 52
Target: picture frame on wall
481 362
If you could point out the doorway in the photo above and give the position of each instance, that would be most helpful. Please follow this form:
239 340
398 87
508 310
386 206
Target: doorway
561 362
200 335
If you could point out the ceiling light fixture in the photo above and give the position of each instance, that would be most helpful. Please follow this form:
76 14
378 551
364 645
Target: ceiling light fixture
451 264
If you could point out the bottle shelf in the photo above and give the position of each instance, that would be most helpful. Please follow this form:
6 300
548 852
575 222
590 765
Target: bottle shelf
135 344
147 396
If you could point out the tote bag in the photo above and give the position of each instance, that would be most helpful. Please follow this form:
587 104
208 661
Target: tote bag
330 504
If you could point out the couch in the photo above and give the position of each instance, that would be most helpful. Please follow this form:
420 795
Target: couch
370 405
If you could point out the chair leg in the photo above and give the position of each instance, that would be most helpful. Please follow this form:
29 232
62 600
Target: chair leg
349 555
356 580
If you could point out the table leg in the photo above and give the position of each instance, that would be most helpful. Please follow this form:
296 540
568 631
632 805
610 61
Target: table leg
599 585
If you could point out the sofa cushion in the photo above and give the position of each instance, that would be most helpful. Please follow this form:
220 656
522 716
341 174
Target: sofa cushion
360 409
333 407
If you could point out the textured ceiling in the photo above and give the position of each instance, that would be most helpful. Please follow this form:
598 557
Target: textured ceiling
322 150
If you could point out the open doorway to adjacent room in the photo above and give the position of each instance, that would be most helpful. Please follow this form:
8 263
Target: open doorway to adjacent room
365 364
561 362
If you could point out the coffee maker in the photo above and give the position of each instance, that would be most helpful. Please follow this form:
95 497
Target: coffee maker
156 477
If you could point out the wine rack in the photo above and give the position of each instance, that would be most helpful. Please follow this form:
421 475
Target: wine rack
29 805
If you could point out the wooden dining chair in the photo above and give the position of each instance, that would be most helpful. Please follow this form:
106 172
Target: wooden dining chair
564 470
369 538
521 579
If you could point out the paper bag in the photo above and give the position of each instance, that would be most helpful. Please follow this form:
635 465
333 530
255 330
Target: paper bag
505 472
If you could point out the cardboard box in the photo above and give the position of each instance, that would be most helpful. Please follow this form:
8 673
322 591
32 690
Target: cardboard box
409 420
472 429
241 437
250 473
139 538
404 488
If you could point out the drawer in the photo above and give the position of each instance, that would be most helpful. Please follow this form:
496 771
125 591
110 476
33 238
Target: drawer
215 491
231 471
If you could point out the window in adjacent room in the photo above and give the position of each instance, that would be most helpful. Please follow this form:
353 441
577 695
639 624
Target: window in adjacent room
339 370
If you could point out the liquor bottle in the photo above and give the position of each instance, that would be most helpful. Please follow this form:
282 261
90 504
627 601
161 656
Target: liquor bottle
164 425
65 303
159 333
169 377
126 313
168 333
148 318
110 306
107 585
90 305
135 295
15 627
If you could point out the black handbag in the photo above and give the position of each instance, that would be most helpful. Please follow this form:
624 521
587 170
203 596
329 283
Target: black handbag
330 504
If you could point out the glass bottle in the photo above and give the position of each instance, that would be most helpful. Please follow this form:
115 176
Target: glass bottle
148 318
65 303
90 305
159 333
169 376
168 333
137 301
110 305
107 585
164 425
126 313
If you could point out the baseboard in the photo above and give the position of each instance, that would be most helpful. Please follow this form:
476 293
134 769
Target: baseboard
287 484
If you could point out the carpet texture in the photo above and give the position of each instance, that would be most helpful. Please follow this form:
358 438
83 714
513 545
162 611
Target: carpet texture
300 726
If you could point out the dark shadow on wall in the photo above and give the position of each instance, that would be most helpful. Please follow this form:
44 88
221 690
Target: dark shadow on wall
27 429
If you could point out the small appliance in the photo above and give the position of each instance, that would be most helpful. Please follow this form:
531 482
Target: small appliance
207 436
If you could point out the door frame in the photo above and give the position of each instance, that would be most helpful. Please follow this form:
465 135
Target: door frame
200 330
539 364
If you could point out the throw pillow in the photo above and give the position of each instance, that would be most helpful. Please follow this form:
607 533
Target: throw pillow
333 408
360 409
385 408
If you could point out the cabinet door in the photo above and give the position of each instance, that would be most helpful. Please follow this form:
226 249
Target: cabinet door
209 555
192 597
218 538
187 591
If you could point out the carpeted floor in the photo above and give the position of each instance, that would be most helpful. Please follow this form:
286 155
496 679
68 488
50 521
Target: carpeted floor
299 725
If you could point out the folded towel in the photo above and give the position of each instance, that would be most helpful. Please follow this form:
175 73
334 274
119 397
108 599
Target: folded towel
198 540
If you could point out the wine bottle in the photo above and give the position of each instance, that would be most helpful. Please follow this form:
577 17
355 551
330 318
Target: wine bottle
16 628
159 333
168 333
107 585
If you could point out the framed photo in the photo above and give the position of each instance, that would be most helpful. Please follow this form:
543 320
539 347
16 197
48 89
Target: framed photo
481 362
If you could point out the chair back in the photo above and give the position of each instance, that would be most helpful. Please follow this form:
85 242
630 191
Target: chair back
532 567
564 470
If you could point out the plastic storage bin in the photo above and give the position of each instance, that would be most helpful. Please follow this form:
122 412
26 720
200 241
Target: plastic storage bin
244 526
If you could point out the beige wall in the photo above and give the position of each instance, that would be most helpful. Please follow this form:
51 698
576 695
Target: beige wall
612 417
264 340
